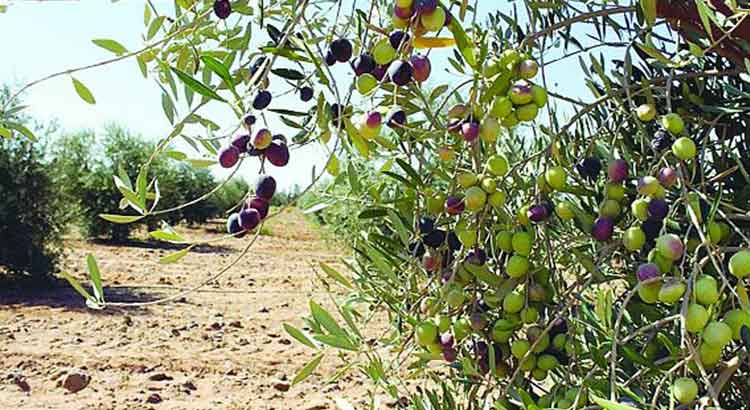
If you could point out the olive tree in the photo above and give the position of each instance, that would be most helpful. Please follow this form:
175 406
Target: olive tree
529 249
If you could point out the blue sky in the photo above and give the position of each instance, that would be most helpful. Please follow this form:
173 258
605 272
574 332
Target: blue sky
56 35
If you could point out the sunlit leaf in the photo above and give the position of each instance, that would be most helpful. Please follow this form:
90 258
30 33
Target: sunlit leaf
175 256
96 278
120 219
335 275
299 336
110 45
306 371
83 91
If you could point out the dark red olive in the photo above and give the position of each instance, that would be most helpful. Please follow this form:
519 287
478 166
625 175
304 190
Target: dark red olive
249 218
229 156
277 154
222 8
240 142
260 205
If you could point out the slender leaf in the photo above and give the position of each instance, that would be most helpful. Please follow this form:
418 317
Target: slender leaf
83 91
325 319
289 74
120 219
336 341
76 285
175 256
611 405
219 68
196 85
306 371
96 278
110 45
335 275
299 336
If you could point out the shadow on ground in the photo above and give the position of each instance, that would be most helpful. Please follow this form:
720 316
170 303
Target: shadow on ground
136 243
58 294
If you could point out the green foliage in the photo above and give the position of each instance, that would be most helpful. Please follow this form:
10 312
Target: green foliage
32 215
86 166
231 194
334 205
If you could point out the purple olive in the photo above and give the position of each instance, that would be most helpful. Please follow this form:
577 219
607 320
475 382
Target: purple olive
277 154
647 271
667 177
249 218
306 93
590 167
342 50
260 205
396 118
538 213
229 156
240 142
426 6
265 187
481 349
454 244
446 340
618 170
401 72
233 226
364 64
435 239
403 13
397 38
374 119
380 71
658 208
603 229
450 355
330 58
222 8
262 100
421 67
651 227
454 205
249 121
470 130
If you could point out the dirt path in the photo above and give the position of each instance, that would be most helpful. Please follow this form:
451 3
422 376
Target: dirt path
210 350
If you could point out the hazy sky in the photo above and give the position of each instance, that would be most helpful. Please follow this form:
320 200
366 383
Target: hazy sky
39 38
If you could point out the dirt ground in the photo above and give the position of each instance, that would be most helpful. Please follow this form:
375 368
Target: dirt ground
223 348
